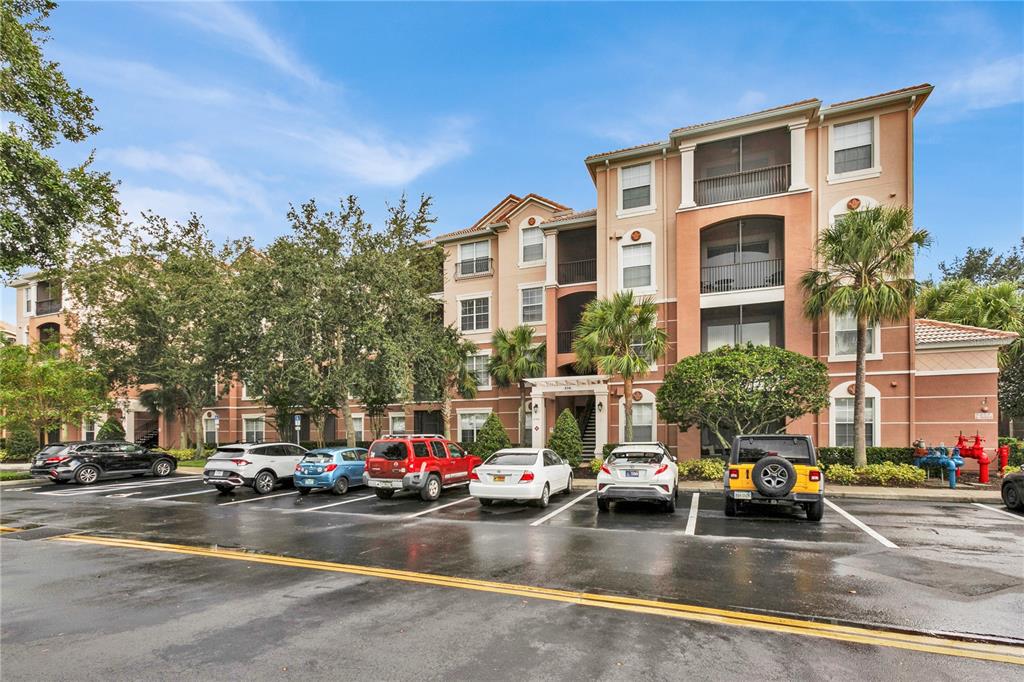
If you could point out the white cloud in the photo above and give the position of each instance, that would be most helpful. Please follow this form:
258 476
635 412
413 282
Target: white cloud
985 86
245 33
143 80
751 100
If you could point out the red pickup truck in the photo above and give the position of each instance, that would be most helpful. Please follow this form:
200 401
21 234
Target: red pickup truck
422 463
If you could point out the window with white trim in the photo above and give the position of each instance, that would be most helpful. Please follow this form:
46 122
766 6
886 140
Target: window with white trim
89 430
843 416
853 146
844 336
245 393
396 422
470 424
475 314
532 240
636 186
643 422
477 366
475 258
636 265
357 428
209 430
253 429
532 304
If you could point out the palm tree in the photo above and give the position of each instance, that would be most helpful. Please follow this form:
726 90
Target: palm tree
999 305
515 359
457 379
866 269
620 335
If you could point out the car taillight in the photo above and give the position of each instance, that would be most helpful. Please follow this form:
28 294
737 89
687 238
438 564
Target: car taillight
606 470
473 476
814 475
298 467
527 476
734 473
241 462
662 469
53 460
330 467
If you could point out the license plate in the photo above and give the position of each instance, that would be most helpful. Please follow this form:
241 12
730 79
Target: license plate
388 484
499 479
741 495
219 474
307 481
632 474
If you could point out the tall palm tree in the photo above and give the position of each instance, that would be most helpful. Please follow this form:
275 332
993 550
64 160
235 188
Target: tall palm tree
620 335
865 269
457 379
515 359
999 305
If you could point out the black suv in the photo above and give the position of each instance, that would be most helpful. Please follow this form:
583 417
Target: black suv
87 462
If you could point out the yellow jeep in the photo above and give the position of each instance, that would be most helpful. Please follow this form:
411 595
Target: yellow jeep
776 469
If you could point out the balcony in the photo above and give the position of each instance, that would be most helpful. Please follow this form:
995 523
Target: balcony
739 276
577 271
747 253
749 184
565 340
473 267
48 307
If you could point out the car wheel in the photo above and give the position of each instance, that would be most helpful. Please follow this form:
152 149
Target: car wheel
545 497
225 488
432 489
670 506
603 505
730 507
384 493
1011 496
264 482
485 502
568 487
815 510
162 467
302 490
87 475
340 486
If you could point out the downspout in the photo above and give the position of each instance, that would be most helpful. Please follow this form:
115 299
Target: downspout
912 317
818 173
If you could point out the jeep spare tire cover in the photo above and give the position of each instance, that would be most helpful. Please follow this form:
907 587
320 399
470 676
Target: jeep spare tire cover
773 476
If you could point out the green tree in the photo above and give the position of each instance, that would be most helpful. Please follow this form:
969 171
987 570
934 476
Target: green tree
162 309
515 358
566 439
982 266
865 268
620 336
743 389
42 390
999 305
22 442
1011 388
441 371
43 203
111 429
491 437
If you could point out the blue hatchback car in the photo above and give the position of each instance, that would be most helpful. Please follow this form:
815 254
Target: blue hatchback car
331 468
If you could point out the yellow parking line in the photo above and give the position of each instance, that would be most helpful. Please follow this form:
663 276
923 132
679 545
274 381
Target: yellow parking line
861 635
8 529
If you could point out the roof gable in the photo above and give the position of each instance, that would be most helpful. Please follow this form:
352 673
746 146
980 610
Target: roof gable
938 334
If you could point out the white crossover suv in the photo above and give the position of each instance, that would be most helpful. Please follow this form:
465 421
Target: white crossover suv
525 474
638 472
260 466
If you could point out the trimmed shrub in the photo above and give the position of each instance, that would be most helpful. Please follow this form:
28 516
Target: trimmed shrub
607 449
111 430
886 474
840 474
707 469
876 455
21 444
566 439
491 437
596 464
186 453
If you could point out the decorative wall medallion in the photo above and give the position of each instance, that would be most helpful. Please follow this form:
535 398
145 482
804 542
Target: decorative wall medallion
853 204
851 389
637 395
635 235
533 221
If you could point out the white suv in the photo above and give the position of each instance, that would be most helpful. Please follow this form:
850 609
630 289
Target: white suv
259 466
639 472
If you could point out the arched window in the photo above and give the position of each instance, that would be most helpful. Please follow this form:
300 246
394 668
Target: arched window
840 415
49 336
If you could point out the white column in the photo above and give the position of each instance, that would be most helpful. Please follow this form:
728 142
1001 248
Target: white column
539 428
128 421
797 156
686 176
551 258
601 419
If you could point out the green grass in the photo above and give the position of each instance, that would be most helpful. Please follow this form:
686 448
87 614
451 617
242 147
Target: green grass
14 475
191 462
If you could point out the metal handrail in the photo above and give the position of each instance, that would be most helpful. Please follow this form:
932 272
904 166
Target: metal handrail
742 185
565 340
48 307
737 276
573 272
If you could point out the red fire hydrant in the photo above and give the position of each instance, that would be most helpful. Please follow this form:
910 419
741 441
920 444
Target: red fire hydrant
975 451
1004 458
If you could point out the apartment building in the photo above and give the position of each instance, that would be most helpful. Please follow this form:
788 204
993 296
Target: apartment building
716 224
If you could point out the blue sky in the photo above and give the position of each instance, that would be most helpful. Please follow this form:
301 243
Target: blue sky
235 110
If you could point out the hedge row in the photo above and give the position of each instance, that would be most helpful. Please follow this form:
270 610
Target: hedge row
885 474
828 456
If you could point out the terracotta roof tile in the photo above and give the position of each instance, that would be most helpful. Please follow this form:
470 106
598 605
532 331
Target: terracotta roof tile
733 118
626 149
516 201
881 94
572 215
928 332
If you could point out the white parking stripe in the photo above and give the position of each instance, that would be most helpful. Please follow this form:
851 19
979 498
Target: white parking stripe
434 509
195 492
333 504
691 520
1015 517
562 508
863 526
257 499
111 488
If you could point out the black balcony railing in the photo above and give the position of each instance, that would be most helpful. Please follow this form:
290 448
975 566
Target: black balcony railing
472 267
565 340
574 272
742 185
48 307
752 275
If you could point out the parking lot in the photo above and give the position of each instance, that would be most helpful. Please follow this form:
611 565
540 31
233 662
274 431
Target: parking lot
919 567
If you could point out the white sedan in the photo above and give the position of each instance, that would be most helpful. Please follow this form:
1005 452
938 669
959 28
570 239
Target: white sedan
532 474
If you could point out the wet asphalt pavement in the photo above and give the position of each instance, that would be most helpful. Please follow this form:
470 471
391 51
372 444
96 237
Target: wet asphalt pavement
91 611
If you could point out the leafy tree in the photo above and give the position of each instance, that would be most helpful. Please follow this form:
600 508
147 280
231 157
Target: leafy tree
162 306
999 305
22 442
111 429
491 437
1011 388
620 336
743 389
980 266
42 390
43 203
566 439
441 372
515 359
865 268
